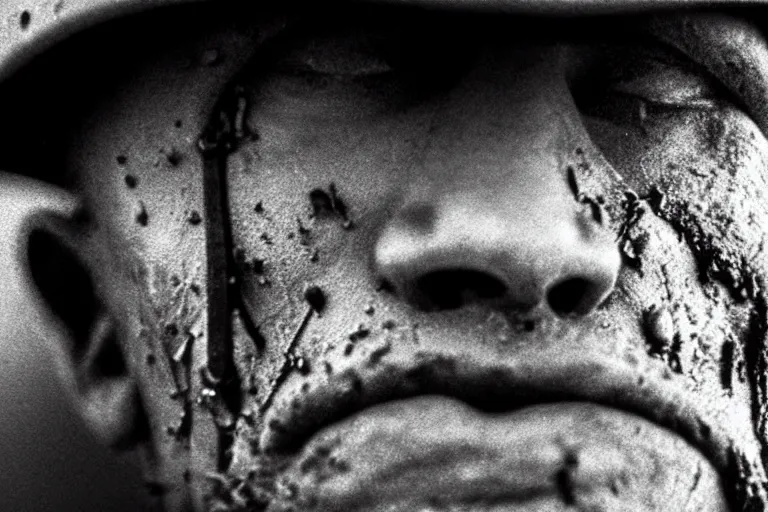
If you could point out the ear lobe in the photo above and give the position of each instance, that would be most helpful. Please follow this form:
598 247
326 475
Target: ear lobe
106 394
83 340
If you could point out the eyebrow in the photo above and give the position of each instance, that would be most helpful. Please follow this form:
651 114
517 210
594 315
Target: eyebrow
732 49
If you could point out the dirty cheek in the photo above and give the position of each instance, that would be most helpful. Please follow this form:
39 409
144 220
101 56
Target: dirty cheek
307 194
693 243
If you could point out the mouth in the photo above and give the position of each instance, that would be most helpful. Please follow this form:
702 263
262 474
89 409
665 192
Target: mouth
554 428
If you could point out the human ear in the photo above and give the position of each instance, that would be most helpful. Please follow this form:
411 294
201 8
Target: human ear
79 329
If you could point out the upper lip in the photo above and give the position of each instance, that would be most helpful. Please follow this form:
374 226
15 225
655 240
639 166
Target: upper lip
321 399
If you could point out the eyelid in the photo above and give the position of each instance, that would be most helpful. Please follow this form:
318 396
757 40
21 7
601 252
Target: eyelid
731 47
650 70
342 56
671 86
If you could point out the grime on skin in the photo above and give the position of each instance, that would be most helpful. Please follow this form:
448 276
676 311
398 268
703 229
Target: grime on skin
403 259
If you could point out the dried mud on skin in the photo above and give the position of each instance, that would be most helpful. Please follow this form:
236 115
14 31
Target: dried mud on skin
725 240
715 214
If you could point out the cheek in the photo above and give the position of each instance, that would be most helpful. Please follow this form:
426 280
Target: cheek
693 244
285 239
703 173
285 242
704 151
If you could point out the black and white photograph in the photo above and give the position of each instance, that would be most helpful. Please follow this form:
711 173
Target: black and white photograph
384 256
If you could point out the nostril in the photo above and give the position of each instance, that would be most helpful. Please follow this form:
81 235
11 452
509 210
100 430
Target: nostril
451 289
566 297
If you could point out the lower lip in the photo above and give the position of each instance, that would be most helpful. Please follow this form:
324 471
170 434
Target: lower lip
436 453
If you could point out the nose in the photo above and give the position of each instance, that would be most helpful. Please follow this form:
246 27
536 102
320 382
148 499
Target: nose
490 217
515 250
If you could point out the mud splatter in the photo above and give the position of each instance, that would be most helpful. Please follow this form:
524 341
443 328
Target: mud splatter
316 298
142 216
329 203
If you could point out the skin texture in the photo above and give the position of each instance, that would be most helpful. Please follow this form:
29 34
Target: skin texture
537 245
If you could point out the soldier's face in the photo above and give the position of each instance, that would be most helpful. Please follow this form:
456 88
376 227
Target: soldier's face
474 263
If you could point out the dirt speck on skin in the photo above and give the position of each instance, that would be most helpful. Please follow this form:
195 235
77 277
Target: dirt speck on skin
325 204
596 208
564 479
315 297
378 353
142 217
257 265
321 202
633 238
253 491
212 400
360 333
726 364
572 184
660 329
194 218
174 157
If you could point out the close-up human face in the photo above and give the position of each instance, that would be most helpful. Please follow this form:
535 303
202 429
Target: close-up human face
387 259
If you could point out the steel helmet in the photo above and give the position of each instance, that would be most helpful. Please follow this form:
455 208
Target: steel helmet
29 27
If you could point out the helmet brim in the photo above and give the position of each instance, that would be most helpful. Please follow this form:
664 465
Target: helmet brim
27 30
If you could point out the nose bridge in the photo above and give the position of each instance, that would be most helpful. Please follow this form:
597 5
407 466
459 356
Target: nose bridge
492 197
511 119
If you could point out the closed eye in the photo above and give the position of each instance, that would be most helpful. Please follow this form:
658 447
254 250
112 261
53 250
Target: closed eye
346 55
629 82
378 52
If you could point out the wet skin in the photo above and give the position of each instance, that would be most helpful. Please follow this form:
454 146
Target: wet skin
538 246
